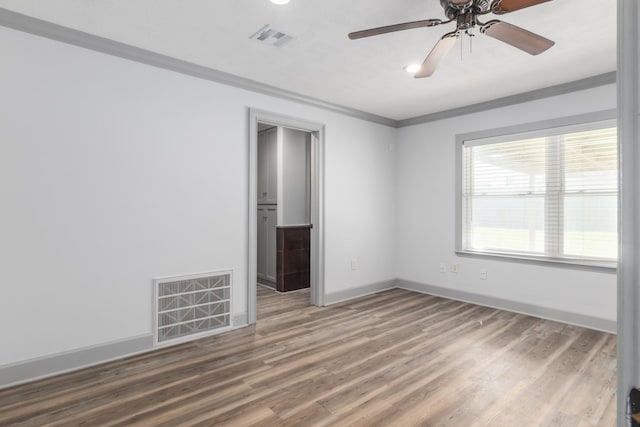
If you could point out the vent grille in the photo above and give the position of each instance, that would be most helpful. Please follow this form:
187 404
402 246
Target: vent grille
270 36
191 307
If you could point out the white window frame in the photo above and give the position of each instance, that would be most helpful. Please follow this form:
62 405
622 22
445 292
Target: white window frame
579 122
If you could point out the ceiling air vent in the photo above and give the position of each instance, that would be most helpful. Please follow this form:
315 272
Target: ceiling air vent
270 36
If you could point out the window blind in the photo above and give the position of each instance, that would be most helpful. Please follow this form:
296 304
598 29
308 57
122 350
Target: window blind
552 194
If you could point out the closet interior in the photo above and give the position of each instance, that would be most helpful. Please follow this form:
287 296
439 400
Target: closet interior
283 228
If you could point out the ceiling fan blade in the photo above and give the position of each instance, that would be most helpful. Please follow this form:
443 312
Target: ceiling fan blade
396 27
438 52
517 37
500 7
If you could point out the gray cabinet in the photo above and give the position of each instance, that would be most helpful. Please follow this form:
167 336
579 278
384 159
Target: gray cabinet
267 250
268 166
267 205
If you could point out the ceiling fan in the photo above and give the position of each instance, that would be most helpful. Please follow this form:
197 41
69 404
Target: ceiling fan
465 13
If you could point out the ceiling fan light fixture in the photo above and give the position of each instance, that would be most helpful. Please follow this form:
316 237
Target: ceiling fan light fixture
279 2
412 68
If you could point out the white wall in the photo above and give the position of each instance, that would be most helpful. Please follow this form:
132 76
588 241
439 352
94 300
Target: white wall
113 173
294 176
426 215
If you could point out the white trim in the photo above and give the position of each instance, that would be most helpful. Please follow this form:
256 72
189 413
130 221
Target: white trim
541 132
604 266
240 320
359 291
559 122
317 272
520 98
317 203
279 176
590 322
252 225
629 208
73 360
38 27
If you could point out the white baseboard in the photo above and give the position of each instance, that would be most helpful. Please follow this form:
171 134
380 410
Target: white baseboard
590 322
73 360
240 320
47 366
360 291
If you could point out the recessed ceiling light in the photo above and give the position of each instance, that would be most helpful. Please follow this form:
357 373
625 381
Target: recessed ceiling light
412 68
279 1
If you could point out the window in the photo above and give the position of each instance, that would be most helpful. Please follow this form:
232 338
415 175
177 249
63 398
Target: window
549 194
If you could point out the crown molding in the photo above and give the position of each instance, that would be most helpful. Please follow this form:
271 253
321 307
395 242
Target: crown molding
583 84
38 27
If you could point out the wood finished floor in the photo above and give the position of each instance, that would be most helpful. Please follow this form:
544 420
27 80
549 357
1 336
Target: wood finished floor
394 358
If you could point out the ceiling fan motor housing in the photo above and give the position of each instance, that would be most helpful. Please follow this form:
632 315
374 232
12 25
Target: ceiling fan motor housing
481 5
459 4
454 8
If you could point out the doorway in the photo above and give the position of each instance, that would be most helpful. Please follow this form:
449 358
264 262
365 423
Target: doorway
261 201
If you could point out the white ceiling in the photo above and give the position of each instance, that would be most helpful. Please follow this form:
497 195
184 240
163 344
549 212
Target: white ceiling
321 62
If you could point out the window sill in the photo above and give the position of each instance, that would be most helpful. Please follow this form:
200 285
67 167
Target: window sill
603 266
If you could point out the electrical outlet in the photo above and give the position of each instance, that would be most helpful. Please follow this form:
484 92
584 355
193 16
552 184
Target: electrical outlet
354 264
483 274
454 267
443 267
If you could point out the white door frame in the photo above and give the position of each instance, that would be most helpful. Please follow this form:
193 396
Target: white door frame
629 208
317 203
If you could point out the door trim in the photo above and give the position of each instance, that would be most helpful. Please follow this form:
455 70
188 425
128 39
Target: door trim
317 131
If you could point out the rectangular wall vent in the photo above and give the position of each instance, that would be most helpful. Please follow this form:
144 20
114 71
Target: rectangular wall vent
190 307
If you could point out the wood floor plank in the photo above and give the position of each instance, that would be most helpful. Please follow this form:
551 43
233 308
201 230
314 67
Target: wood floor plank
392 358
314 415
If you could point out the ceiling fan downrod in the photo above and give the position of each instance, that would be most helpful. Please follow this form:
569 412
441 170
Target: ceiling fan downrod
466 20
